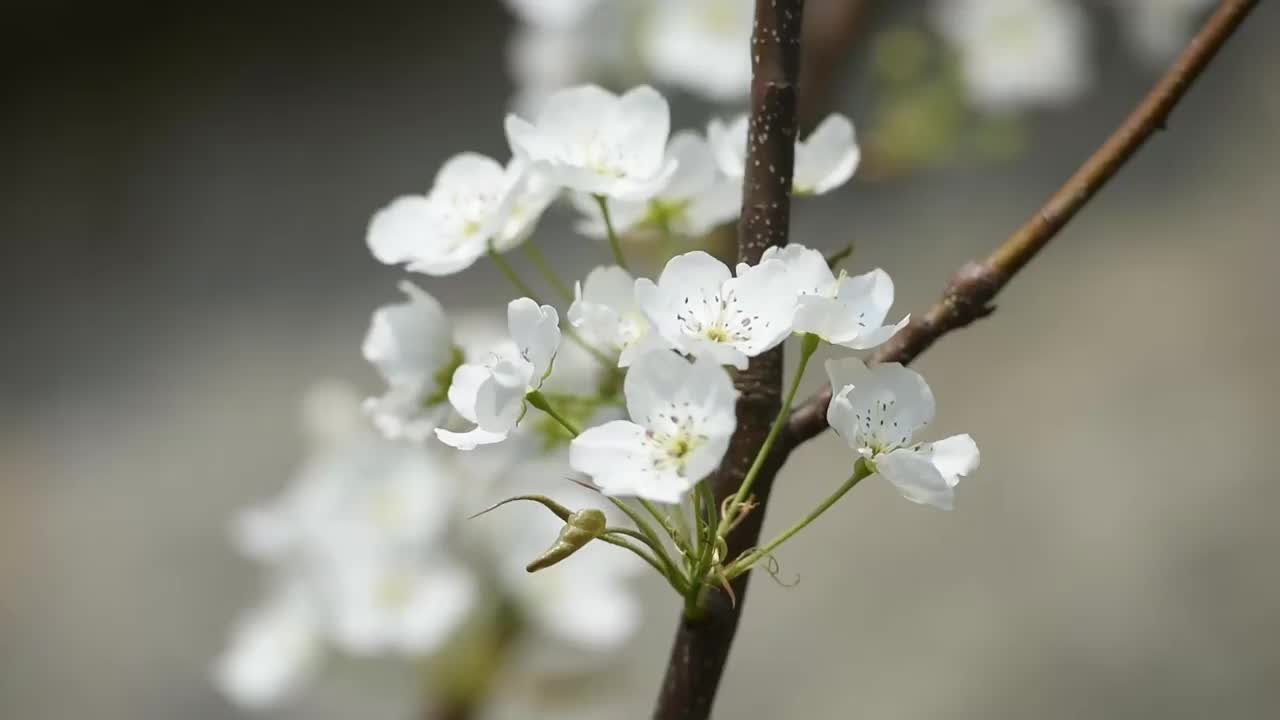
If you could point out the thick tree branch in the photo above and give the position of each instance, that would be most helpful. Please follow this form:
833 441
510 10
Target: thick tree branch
702 643
968 296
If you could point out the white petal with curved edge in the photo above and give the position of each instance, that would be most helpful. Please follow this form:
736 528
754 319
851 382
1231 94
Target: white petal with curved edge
470 439
810 274
536 331
641 127
728 140
500 398
827 158
955 457
916 478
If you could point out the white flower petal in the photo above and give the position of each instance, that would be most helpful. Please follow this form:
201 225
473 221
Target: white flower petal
916 478
469 440
536 331
273 650
728 142
955 457
827 158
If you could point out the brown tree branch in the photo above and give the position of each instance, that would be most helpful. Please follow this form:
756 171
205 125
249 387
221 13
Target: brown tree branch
968 295
702 643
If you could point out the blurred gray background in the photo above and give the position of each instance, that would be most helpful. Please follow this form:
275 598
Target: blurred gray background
182 216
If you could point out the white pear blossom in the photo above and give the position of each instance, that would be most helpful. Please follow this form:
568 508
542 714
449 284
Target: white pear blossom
878 411
682 415
825 160
842 310
1015 53
701 45
474 201
386 602
552 13
605 310
492 394
411 345
274 649
695 200
1160 28
700 309
593 141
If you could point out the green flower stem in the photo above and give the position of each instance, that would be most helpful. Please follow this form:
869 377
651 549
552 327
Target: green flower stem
610 537
538 400
676 536
807 348
672 573
860 470
523 288
520 285
548 272
614 242
706 502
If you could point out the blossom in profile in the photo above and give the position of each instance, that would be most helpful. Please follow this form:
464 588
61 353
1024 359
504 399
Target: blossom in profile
841 309
878 411
492 394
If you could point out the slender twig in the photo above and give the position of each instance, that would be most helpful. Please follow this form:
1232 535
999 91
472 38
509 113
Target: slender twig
702 645
615 242
968 296
706 629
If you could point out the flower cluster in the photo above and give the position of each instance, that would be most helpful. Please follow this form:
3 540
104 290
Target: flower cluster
630 391
365 557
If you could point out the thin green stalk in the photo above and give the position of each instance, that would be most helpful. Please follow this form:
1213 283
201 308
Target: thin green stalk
673 573
520 285
614 242
548 272
676 536
523 288
619 542
697 585
538 400
807 348
743 564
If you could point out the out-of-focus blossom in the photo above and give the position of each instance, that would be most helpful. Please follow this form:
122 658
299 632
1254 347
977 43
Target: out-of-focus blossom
1160 28
274 649
593 141
823 162
605 310
878 411
1018 53
411 345
474 202
701 45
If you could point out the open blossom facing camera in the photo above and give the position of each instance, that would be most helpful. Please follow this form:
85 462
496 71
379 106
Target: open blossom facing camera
492 394
593 141
824 161
411 345
878 411
1015 53
474 202
701 45
693 202
700 309
682 415
605 309
844 310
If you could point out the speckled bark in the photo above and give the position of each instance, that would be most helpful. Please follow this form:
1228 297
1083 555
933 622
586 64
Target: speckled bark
702 645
